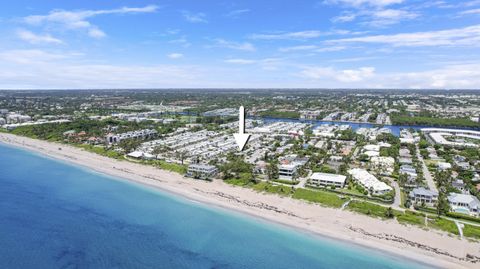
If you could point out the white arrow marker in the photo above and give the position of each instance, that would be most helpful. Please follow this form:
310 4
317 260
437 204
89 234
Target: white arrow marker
241 137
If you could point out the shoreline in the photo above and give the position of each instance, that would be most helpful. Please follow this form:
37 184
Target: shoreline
410 242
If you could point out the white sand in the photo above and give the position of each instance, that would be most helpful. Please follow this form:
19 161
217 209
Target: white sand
432 247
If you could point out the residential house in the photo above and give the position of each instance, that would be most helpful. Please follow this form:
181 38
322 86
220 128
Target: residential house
464 203
422 195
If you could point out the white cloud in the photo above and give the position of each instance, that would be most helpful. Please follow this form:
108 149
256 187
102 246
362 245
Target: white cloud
312 48
359 3
298 48
467 36
42 69
175 55
385 17
237 12
63 69
345 76
182 41
288 35
465 76
77 20
96 33
346 17
30 56
37 38
377 17
265 64
460 76
471 11
240 61
245 46
194 17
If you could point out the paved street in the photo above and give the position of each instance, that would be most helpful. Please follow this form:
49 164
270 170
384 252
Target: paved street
426 174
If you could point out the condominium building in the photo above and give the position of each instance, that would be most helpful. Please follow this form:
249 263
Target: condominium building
369 181
202 171
326 180
140 134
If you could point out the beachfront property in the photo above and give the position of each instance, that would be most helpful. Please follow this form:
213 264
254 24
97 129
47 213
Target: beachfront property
464 203
29 123
327 180
369 181
201 171
289 165
13 117
139 135
422 195
453 137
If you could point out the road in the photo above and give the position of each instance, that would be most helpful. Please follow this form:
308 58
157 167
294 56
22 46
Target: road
426 174
397 202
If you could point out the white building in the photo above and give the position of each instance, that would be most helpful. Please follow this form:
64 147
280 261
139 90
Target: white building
289 165
325 180
140 134
383 165
443 166
17 118
369 181
141 155
464 203
452 137
287 171
202 171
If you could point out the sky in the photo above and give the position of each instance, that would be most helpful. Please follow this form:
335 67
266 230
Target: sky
57 44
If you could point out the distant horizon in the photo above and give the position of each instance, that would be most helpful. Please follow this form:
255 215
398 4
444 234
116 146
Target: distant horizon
236 89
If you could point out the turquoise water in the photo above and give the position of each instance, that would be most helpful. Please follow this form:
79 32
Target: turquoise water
54 215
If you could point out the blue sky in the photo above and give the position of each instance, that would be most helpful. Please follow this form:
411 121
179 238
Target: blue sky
318 44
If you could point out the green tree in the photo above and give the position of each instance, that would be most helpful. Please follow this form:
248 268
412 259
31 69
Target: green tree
272 170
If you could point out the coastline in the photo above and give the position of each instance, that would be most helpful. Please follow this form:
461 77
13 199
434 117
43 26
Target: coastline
309 218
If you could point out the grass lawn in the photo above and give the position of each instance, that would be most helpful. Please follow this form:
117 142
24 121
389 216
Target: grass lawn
173 167
471 231
411 218
444 225
370 209
403 198
270 188
101 151
353 191
321 197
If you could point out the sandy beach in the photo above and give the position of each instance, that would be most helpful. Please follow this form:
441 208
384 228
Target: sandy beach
431 247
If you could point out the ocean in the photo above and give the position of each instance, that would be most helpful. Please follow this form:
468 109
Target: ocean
56 215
